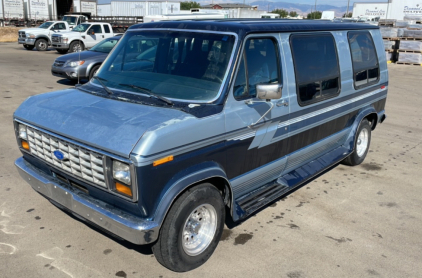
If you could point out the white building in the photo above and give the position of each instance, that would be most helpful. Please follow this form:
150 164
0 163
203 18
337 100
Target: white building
393 9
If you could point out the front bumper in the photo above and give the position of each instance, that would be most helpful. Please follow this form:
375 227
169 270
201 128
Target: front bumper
30 41
57 45
69 72
21 41
113 220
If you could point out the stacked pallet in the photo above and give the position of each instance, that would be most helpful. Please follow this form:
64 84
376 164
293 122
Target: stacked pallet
403 40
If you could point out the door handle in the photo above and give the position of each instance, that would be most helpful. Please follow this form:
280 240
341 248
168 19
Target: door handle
282 103
103 36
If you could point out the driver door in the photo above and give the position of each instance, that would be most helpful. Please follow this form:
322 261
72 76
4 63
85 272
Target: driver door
255 156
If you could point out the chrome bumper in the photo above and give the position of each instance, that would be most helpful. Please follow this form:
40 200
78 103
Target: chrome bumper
21 41
58 45
30 41
116 221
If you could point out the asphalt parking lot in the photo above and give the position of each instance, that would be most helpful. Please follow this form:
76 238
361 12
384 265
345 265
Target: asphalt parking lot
364 221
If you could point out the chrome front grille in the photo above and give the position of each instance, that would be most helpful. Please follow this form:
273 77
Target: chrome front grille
22 34
58 63
76 160
55 39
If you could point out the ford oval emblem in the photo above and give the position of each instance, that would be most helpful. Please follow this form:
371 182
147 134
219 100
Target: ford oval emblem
58 154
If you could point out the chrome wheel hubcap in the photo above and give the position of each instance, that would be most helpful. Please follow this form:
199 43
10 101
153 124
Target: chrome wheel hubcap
362 142
199 229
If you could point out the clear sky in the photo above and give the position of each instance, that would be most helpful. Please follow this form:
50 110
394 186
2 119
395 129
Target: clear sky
339 3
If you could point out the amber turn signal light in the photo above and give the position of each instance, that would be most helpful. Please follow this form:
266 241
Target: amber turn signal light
25 145
123 189
162 160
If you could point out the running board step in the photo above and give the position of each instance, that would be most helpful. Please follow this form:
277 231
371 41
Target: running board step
279 187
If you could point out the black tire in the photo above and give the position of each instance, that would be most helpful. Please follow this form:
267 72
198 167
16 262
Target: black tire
76 46
28 47
41 45
169 249
62 51
358 155
93 71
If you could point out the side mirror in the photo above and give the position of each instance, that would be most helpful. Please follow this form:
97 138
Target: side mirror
268 91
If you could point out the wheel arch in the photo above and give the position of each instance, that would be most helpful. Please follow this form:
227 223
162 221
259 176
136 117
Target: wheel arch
368 113
208 172
91 66
43 37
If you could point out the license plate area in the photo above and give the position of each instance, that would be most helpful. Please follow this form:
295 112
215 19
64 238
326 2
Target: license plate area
71 183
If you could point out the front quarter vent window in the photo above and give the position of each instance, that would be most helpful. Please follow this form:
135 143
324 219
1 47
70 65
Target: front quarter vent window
364 58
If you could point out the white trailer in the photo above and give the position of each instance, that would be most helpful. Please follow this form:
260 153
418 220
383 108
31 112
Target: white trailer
144 8
38 10
103 10
370 10
12 13
196 15
85 6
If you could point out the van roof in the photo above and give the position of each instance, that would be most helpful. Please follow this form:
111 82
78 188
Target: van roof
245 26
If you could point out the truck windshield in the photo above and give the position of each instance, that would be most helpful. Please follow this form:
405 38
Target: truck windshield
81 28
187 66
71 20
105 46
45 25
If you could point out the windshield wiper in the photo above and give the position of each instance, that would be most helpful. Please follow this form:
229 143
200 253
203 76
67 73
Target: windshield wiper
102 84
148 92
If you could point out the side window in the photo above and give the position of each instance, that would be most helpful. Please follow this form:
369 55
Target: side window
259 65
96 29
54 27
316 67
62 26
106 29
364 58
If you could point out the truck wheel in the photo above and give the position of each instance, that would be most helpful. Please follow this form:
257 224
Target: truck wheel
191 230
41 45
62 51
28 47
76 47
93 71
362 142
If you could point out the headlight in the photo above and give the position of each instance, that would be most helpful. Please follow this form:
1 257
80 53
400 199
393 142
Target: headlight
65 40
31 36
22 132
121 172
75 63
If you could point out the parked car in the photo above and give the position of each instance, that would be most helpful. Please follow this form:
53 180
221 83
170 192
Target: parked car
214 119
83 65
40 37
83 36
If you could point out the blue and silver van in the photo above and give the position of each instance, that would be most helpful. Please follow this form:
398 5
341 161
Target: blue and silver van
189 123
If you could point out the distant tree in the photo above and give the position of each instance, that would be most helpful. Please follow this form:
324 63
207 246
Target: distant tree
187 5
281 12
293 14
348 15
314 15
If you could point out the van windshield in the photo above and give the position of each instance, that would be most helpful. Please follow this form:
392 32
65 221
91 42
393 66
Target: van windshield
187 66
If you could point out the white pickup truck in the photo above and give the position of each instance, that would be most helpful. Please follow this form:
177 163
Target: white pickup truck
83 36
40 37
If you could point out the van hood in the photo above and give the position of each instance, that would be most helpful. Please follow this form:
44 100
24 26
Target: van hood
110 125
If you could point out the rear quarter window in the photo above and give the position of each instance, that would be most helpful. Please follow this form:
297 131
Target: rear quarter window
316 67
364 58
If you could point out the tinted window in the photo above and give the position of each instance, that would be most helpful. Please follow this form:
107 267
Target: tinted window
106 29
261 60
364 58
96 29
61 26
316 67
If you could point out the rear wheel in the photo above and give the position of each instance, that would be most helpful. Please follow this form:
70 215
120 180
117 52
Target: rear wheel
93 71
62 51
192 229
76 47
362 142
41 45
28 47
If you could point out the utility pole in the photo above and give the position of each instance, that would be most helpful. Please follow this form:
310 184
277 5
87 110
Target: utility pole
315 10
347 13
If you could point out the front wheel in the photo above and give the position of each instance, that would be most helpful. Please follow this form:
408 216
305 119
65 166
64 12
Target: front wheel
28 47
93 71
362 142
76 47
192 229
41 45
